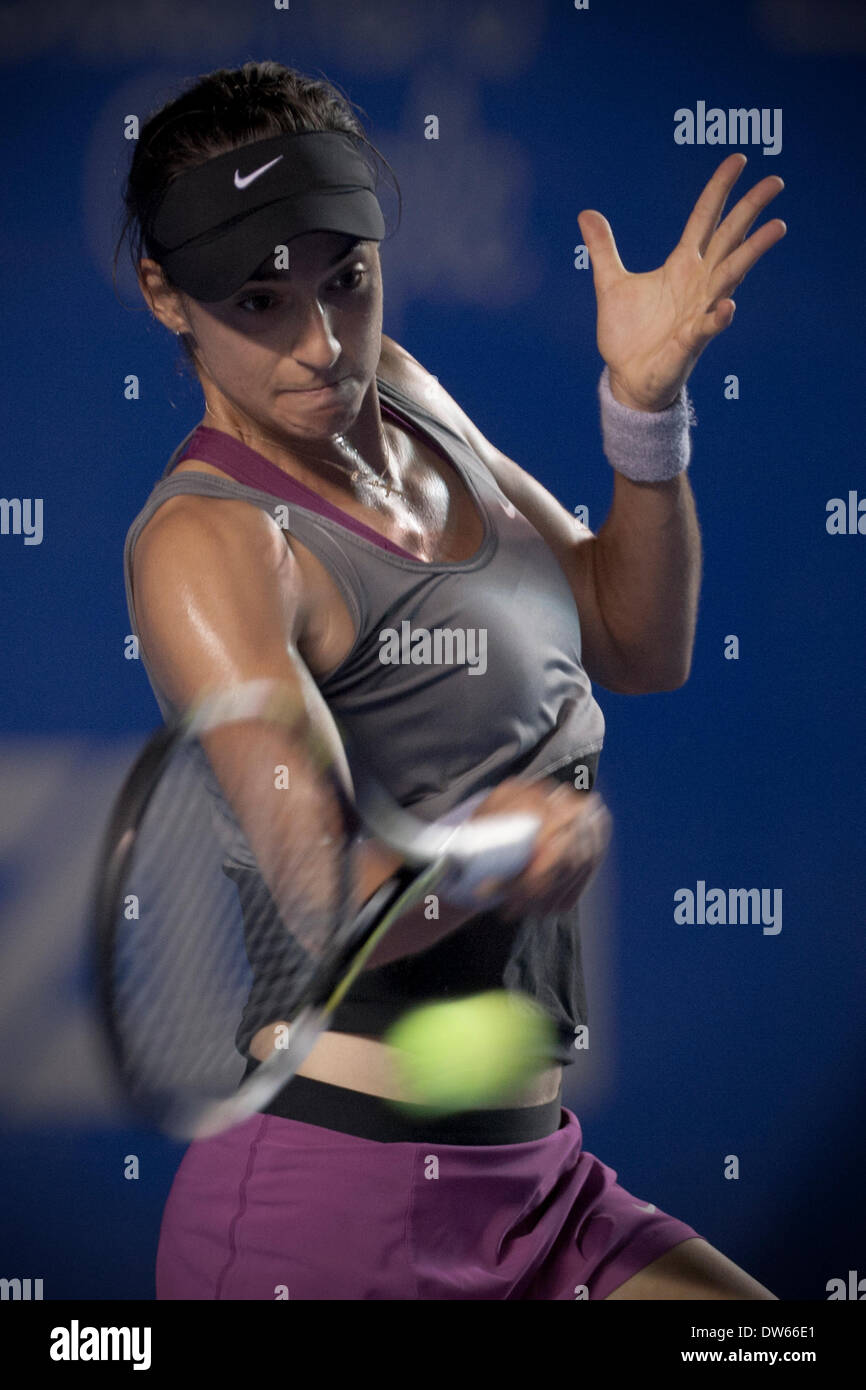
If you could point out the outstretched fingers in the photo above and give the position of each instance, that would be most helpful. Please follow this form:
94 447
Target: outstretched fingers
708 209
734 268
738 221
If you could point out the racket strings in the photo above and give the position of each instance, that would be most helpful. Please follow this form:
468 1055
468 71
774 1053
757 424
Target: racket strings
203 954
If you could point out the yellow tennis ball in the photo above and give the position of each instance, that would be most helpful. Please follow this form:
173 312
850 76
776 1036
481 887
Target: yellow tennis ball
472 1052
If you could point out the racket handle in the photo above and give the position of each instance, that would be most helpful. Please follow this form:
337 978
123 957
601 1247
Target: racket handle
493 848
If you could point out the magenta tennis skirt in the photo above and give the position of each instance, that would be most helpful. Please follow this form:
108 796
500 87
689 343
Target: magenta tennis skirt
279 1207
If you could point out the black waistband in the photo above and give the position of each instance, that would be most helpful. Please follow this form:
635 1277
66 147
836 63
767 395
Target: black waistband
374 1117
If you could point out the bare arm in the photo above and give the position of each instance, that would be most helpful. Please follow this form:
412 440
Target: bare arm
636 582
646 574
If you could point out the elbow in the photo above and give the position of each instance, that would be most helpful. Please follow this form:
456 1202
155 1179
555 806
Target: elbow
642 679
650 667
667 683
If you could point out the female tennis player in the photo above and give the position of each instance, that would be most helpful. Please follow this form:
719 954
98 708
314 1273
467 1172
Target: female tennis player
335 520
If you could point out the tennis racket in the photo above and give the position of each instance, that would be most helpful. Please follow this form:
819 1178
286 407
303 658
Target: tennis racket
219 907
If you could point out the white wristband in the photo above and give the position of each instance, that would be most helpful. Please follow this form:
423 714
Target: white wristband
644 445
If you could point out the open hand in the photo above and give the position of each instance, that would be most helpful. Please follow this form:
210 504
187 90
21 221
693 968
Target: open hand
652 327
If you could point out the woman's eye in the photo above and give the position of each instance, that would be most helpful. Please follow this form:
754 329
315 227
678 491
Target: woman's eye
250 297
358 274
359 271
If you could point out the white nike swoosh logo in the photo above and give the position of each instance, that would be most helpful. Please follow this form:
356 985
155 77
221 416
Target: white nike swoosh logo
650 1206
248 178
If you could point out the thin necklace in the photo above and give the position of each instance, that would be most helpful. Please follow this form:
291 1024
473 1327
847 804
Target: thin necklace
354 474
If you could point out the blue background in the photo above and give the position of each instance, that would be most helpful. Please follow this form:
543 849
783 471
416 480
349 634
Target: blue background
718 1039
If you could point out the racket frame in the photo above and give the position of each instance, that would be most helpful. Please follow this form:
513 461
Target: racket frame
431 852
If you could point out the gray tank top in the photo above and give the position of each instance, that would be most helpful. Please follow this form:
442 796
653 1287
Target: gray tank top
460 674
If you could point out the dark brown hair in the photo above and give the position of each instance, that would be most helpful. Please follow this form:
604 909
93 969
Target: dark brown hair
222 111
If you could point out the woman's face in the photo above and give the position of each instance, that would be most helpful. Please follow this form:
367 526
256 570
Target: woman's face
286 331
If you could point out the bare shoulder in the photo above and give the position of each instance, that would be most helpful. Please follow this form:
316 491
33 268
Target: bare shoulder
404 371
521 488
202 605
189 516
192 540
398 366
